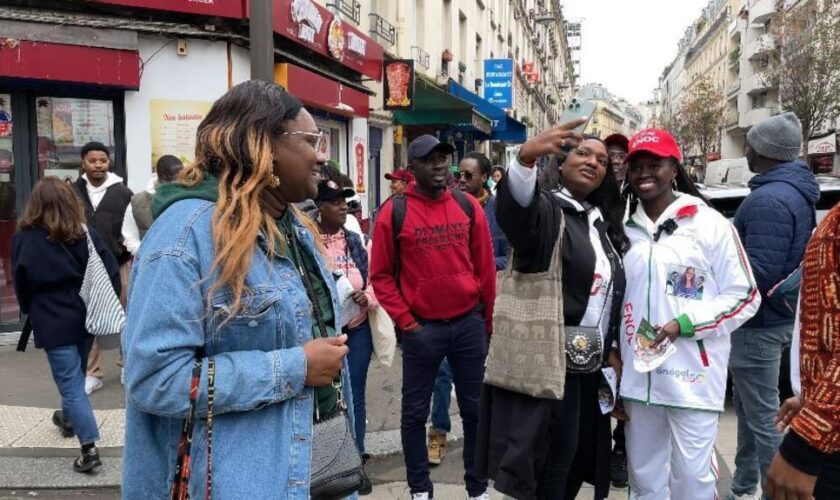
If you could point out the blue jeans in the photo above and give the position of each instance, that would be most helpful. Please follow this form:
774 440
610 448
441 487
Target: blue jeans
441 399
754 365
464 343
68 364
360 343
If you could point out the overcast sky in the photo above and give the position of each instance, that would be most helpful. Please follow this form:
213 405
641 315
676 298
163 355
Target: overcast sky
627 43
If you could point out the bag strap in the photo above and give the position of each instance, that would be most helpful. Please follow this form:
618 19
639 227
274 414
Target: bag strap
25 334
180 485
555 268
467 207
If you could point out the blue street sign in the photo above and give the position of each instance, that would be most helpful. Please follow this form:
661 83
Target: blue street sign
498 82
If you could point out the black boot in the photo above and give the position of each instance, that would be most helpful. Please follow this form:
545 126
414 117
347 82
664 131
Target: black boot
88 461
367 487
618 468
64 425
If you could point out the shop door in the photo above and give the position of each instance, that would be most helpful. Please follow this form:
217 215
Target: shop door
41 134
374 167
9 308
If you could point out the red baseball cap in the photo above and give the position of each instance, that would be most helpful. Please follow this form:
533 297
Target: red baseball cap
655 141
618 140
400 175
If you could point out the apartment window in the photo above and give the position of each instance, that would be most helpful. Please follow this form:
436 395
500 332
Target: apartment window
759 100
447 24
420 19
462 34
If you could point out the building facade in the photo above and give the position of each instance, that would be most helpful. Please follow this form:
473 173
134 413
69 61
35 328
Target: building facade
612 115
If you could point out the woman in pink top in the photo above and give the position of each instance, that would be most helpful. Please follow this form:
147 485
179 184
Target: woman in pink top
349 255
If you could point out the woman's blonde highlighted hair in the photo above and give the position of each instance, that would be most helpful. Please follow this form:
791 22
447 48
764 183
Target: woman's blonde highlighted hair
234 144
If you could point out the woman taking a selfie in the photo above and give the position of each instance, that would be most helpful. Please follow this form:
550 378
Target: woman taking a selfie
228 292
674 399
49 258
544 448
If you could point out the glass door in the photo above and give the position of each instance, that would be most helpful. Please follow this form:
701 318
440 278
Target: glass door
9 308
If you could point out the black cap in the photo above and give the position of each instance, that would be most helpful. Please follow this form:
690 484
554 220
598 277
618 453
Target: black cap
425 144
328 190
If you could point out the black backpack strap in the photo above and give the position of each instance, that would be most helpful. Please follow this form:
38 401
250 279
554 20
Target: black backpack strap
467 207
398 211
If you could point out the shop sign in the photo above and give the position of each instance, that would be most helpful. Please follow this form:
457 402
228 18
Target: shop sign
174 125
359 150
221 8
823 145
308 19
498 82
316 28
335 39
399 84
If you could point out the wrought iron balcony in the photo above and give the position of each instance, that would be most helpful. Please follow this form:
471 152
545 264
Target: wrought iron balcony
351 9
421 56
381 28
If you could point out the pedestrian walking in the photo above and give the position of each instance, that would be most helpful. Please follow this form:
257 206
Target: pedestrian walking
105 199
49 258
349 255
229 290
539 447
807 465
775 222
474 175
433 271
138 214
674 403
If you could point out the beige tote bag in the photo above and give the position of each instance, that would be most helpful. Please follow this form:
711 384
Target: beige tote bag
527 350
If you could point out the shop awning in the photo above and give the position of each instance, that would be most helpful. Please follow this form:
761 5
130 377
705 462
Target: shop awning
434 106
320 92
504 128
54 62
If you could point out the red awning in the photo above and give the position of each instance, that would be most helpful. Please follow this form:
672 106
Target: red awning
221 8
320 92
69 63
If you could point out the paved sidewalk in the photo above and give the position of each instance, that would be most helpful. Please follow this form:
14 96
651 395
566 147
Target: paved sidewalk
33 454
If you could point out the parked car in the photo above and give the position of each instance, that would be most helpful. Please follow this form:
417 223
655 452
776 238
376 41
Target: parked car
727 198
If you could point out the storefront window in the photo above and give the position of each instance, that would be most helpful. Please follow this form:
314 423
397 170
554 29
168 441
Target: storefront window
64 126
9 309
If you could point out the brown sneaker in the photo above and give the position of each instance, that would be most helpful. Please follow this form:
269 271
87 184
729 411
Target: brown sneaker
437 446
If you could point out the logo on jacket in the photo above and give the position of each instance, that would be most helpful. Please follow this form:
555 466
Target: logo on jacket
686 376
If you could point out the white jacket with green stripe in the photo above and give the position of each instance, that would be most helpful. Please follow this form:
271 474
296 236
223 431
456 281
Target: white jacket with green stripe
695 272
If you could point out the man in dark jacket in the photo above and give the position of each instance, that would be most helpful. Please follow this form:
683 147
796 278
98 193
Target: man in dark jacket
775 222
105 198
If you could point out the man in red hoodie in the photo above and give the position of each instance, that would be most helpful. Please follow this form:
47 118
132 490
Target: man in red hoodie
439 285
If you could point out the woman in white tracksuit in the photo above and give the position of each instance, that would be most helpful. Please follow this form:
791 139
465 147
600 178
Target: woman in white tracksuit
674 408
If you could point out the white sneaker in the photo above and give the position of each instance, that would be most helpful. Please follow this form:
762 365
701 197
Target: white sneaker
745 496
483 496
420 496
92 384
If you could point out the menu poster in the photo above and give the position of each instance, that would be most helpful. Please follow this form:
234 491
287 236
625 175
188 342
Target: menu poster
174 127
62 122
91 122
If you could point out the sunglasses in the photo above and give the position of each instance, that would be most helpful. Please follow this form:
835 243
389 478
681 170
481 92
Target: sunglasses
464 176
618 156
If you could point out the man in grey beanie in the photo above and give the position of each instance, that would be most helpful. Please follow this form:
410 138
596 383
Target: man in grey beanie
775 223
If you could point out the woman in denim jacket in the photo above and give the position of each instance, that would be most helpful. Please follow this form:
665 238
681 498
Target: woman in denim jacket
226 273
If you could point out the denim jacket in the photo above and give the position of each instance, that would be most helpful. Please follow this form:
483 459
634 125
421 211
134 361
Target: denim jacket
262 426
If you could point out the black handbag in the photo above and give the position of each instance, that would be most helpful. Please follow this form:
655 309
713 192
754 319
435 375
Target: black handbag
584 345
337 470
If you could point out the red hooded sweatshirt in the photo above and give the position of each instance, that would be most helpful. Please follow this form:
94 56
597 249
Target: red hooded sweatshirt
442 275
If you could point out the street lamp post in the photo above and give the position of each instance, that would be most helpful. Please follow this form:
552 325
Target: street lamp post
262 40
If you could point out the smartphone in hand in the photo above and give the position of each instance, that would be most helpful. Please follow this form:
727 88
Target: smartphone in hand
578 108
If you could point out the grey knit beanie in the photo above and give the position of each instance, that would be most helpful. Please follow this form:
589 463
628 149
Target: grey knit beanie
778 137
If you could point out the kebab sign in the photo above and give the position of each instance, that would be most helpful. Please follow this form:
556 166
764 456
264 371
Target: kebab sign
399 85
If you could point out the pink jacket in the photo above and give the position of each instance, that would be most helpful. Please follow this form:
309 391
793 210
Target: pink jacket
340 260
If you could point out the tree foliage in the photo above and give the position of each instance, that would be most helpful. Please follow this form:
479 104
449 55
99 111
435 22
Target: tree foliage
701 117
806 64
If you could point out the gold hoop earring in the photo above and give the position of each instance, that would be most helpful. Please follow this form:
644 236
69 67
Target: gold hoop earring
273 181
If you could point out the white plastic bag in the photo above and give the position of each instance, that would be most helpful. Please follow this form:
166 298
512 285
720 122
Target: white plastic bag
384 336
